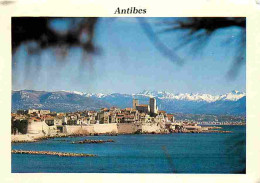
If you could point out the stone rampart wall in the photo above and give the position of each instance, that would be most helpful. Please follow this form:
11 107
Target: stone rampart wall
126 128
37 127
105 128
71 129
120 128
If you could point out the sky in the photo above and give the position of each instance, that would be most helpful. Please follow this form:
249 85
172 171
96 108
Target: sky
128 62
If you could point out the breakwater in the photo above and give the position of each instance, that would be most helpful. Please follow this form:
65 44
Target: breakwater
51 137
87 141
23 141
217 131
53 153
204 131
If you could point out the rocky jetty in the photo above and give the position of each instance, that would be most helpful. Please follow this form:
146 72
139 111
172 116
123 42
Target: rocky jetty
51 137
88 141
53 153
204 131
214 127
61 140
23 141
92 134
217 131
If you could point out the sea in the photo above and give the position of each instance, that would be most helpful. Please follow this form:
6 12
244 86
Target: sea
203 153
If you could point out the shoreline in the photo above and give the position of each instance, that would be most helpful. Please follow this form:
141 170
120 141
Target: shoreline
31 139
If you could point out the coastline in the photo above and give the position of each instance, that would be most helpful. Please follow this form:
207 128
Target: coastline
130 150
30 138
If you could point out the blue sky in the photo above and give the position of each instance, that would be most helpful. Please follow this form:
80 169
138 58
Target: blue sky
128 62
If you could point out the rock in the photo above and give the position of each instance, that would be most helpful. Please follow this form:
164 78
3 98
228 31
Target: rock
87 141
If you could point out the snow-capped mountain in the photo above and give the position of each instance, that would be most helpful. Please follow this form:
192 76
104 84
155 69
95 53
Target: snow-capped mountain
232 96
230 103
98 95
74 92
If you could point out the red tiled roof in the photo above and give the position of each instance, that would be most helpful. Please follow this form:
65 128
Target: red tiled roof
128 109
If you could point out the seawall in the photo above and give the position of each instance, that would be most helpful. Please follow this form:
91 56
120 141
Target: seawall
126 128
112 128
91 129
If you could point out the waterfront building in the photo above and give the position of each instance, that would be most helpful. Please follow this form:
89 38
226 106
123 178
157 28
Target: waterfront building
22 112
145 118
170 117
37 127
103 117
58 121
72 122
31 111
82 121
160 118
129 119
49 121
42 112
64 120
119 118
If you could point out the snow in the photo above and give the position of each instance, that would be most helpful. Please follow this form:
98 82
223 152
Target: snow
98 95
231 96
74 92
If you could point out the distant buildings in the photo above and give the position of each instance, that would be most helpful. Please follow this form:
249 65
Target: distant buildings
141 118
33 111
138 114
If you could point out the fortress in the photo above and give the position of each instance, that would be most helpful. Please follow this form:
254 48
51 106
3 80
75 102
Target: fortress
32 124
141 118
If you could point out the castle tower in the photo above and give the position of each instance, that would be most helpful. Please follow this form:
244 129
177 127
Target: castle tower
135 103
153 107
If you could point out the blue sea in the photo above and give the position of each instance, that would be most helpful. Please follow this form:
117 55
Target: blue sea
166 153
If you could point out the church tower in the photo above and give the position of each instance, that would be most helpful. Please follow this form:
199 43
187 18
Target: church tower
135 103
153 107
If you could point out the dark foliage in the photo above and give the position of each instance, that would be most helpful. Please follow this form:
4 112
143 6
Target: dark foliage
25 29
20 126
196 31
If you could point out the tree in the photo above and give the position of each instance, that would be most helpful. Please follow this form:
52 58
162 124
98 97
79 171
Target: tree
81 32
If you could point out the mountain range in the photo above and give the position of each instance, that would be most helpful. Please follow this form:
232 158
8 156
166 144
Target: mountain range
232 103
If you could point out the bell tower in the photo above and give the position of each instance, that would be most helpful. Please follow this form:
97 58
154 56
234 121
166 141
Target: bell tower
135 103
153 107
